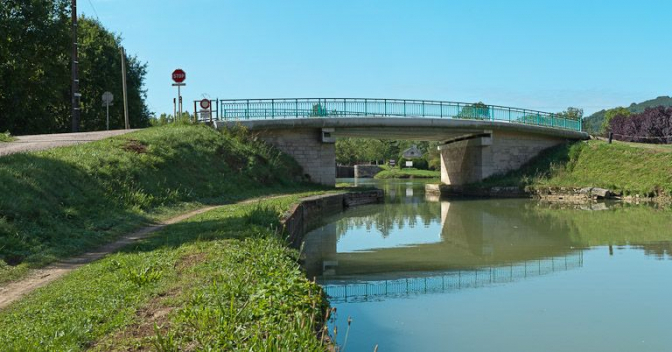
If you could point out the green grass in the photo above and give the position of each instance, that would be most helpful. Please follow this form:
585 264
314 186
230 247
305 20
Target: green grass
61 202
6 137
389 173
619 167
223 280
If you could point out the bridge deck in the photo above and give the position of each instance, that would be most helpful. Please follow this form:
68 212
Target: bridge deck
295 108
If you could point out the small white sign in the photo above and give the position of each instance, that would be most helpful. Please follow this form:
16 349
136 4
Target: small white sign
205 115
108 98
409 164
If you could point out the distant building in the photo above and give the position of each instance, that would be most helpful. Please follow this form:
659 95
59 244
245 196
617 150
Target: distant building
412 153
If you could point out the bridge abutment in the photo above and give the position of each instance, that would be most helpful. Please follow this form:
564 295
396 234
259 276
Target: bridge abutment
473 158
309 147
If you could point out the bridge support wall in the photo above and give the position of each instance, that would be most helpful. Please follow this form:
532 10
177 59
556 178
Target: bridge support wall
474 158
308 147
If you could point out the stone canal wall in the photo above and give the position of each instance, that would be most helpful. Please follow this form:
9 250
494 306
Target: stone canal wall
366 171
308 214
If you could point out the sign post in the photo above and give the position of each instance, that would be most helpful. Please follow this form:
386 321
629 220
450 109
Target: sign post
107 101
178 77
206 111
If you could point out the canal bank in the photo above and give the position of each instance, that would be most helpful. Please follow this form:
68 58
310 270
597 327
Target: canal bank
582 172
420 273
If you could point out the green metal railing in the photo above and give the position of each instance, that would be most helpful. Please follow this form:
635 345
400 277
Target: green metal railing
256 109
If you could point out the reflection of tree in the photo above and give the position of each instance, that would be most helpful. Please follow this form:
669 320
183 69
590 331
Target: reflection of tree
659 250
391 216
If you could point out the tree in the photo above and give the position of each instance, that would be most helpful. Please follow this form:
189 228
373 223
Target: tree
35 94
609 115
478 111
571 113
100 71
34 71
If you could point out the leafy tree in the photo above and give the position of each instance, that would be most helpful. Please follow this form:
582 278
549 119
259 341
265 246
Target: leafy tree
34 65
571 113
478 111
609 115
35 46
100 71
654 125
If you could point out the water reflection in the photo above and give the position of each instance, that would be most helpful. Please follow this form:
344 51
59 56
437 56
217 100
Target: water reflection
416 273
398 238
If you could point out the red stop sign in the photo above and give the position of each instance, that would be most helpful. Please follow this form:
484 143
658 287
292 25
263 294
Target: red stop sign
179 76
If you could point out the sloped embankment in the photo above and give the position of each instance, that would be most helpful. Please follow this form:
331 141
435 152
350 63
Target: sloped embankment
64 201
623 168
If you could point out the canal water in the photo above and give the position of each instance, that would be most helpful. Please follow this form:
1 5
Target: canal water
422 274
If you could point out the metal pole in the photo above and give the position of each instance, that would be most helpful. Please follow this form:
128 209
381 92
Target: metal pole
75 71
127 123
179 100
108 116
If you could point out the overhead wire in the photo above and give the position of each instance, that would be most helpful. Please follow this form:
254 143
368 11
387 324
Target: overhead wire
94 10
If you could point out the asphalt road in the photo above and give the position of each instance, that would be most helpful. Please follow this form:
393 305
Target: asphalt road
46 141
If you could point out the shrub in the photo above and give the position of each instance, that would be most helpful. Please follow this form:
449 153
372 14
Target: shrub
654 125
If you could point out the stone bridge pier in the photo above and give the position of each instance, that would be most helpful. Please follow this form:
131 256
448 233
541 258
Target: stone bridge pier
476 157
312 148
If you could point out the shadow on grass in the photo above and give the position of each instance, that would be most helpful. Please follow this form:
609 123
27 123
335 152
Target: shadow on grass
51 208
252 220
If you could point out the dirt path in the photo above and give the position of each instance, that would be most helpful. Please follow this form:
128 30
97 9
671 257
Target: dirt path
46 141
41 277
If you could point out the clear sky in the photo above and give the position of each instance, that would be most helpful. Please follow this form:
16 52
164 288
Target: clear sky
537 54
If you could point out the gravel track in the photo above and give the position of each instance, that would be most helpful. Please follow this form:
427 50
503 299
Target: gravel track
47 141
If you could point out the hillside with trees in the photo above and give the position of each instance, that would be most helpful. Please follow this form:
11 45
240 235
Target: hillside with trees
35 68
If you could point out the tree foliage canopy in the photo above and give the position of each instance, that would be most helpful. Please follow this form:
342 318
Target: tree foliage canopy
654 125
35 47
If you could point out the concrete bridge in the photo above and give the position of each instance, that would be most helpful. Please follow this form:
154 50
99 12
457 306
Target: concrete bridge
476 140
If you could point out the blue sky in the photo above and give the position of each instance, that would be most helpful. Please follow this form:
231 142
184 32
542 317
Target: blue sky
544 55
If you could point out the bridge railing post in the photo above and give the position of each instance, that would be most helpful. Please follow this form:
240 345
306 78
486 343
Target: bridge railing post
404 107
366 108
296 108
385 103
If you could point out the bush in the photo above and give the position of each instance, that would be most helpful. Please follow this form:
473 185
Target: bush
654 125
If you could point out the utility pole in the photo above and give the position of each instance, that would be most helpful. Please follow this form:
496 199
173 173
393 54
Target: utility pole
123 82
75 70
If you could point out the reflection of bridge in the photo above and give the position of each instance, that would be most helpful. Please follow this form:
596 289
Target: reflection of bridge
447 281
477 140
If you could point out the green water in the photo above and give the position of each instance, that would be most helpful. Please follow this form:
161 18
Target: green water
419 274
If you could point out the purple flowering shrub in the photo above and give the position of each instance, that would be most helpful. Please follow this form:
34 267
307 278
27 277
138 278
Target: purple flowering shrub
654 125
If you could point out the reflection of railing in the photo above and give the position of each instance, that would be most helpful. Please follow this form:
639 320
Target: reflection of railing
448 281
255 109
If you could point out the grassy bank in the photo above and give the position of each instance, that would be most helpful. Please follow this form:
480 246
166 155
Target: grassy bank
223 280
389 173
61 202
620 167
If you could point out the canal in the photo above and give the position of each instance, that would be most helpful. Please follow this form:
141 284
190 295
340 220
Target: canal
422 274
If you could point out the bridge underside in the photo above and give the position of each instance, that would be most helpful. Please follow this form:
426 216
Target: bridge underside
470 150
